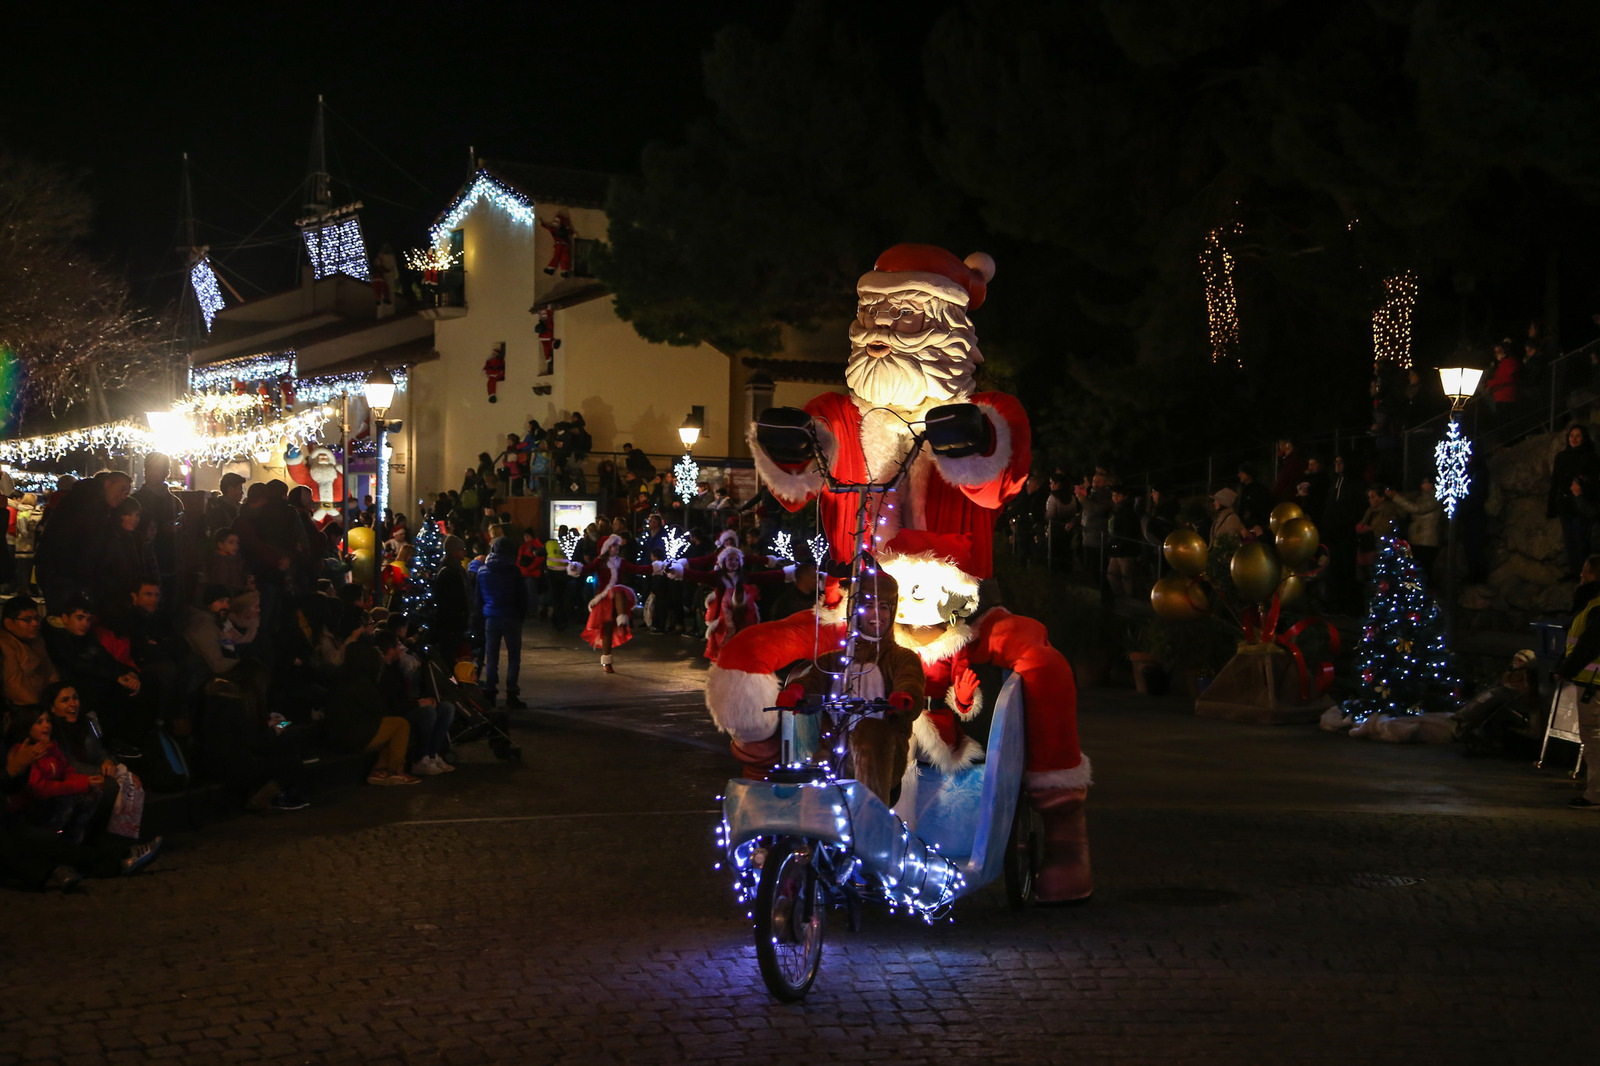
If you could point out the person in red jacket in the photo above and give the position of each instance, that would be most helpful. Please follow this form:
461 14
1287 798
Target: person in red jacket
57 796
531 558
1500 384
735 593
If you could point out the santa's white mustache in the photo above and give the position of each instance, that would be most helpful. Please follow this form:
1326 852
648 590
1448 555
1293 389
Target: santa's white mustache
862 338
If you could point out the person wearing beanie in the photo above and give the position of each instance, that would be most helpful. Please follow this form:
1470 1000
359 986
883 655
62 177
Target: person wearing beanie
204 632
610 622
1225 521
735 592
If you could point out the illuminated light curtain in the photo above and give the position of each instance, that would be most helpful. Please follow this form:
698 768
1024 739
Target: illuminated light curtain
1391 323
1222 306
337 248
206 292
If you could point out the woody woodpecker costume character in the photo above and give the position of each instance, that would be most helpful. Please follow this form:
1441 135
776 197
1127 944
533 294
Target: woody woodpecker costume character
561 235
610 624
913 354
951 629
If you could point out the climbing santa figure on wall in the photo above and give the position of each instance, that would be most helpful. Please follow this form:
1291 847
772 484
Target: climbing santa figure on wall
317 469
561 237
545 329
494 369
913 356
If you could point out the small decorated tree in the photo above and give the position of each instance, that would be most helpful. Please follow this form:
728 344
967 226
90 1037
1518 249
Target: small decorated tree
1402 660
427 555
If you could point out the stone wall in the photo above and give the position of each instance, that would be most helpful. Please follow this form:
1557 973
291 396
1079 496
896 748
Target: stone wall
1526 560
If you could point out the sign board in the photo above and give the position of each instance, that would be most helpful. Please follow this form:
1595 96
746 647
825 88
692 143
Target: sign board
574 512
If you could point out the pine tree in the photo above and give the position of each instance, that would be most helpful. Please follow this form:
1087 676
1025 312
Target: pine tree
427 555
1402 660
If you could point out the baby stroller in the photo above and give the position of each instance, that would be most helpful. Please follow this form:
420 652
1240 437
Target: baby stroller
1484 723
475 719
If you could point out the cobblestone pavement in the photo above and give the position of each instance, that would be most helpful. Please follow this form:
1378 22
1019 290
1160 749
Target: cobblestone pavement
1265 896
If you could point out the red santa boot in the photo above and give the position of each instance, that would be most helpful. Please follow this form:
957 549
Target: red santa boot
1064 878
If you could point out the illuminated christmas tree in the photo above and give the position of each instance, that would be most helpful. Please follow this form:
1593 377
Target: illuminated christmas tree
427 555
1402 660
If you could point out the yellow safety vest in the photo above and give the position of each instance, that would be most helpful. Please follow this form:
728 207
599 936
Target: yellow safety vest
1587 675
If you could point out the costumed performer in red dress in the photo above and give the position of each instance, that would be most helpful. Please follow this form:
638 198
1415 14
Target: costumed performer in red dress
735 593
610 624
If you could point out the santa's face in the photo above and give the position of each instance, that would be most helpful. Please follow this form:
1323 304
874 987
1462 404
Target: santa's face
909 349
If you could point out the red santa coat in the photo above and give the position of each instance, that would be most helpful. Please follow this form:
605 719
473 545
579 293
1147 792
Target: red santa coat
608 571
1049 697
941 495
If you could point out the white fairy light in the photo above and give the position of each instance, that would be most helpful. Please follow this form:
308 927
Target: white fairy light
1452 483
1391 323
250 368
126 438
337 248
686 478
436 258
569 543
676 542
818 546
337 386
507 199
1222 305
783 545
206 292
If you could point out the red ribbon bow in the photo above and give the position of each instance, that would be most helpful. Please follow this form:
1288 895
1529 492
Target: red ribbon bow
1261 628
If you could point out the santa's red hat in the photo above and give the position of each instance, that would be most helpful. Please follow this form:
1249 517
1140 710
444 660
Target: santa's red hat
931 269
913 555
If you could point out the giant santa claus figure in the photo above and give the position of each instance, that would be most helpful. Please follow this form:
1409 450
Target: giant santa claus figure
317 468
912 359
913 353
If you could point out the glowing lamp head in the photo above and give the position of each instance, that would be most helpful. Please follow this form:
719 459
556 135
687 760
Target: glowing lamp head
379 391
689 432
1459 382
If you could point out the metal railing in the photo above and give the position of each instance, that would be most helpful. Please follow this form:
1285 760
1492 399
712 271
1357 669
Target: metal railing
1548 397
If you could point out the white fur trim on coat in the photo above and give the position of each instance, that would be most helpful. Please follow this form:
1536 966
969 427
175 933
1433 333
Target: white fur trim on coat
929 747
981 469
950 641
967 715
1080 776
738 700
614 566
791 487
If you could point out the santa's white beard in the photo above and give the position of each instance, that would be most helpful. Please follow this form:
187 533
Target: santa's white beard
918 371
324 476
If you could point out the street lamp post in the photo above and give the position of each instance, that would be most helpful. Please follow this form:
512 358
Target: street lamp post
1451 480
686 472
379 391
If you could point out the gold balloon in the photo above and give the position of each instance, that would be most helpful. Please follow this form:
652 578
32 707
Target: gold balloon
363 541
1180 598
1298 541
1255 570
1283 513
1185 552
1291 590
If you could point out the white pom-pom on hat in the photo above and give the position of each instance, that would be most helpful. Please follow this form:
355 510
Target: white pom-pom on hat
983 263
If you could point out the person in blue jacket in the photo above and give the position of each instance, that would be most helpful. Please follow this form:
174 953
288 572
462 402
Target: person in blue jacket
504 600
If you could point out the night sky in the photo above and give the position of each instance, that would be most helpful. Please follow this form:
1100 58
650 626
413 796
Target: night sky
120 92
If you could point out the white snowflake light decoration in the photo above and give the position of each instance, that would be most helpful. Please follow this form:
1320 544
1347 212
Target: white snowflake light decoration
206 292
783 545
686 478
1452 482
337 248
